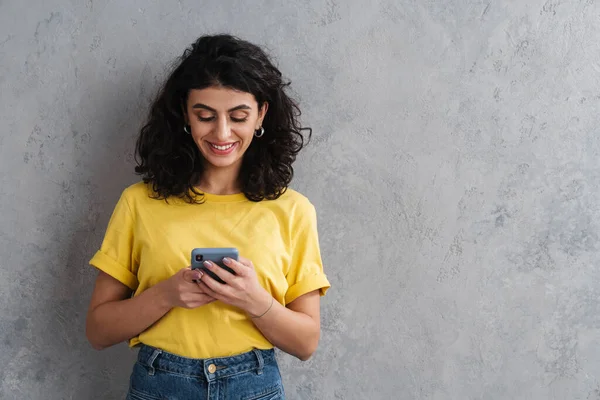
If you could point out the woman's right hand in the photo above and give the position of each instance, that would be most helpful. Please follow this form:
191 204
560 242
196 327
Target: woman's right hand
181 290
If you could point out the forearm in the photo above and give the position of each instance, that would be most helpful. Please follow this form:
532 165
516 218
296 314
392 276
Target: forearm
117 321
294 332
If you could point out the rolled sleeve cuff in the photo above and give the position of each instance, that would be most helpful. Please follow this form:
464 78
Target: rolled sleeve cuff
307 285
107 264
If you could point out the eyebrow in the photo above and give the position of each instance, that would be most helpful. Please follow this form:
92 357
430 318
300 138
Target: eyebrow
205 107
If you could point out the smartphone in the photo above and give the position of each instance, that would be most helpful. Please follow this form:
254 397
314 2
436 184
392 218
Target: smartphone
216 255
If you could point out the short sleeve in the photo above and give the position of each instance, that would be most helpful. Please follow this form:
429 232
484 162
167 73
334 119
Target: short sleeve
115 256
306 267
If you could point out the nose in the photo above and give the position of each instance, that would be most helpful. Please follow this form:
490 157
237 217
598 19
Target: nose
223 129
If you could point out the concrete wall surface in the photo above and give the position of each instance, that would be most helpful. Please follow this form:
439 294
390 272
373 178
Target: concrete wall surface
454 167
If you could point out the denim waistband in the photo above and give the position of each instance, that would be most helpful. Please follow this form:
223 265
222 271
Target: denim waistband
208 369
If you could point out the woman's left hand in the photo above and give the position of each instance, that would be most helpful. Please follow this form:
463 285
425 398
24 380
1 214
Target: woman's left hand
241 290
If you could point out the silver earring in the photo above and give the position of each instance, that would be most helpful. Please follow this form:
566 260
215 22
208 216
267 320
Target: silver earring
259 132
185 128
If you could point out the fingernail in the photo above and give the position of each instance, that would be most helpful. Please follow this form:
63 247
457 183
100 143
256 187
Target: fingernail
207 263
226 260
199 274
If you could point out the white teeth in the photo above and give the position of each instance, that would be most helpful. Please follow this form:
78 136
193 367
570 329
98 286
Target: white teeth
222 147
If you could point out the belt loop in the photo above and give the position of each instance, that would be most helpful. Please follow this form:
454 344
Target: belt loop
260 360
151 360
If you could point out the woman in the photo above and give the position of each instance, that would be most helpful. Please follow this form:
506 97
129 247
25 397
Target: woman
216 158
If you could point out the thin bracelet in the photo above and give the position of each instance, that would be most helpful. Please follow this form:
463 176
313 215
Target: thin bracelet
272 300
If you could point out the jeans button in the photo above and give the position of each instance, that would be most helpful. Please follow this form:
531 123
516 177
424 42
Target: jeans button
212 368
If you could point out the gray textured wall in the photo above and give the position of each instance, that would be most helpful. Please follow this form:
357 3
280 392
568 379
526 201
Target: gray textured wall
455 169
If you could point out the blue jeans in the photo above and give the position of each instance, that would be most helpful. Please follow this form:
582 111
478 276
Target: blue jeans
159 375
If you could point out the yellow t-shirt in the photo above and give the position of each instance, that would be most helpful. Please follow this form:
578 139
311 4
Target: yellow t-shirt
149 240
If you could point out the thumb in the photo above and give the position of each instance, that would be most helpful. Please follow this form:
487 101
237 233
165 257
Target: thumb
191 275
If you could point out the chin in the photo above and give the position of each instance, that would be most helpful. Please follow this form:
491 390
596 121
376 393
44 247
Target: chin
220 162
223 160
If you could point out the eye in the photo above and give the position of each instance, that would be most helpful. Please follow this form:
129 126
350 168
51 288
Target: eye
205 118
239 117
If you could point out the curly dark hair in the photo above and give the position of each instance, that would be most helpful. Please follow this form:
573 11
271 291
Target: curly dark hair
169 159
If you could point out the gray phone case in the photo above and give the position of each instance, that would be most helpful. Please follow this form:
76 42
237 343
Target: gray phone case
216 255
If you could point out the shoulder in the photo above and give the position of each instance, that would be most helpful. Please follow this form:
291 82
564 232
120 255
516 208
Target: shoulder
137 191
296 205
138 194
296 200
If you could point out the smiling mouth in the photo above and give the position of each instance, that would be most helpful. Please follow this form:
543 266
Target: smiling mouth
222 148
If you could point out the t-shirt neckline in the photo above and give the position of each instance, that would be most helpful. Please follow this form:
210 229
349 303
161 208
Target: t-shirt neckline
223 198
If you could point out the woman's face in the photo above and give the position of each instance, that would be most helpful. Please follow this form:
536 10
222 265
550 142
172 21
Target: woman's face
223 122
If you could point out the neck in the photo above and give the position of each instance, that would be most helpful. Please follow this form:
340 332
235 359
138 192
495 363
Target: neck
220 181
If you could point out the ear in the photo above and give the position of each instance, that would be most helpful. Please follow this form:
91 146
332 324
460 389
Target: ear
261 114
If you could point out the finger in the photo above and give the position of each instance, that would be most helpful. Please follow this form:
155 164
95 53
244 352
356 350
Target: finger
192 275
183 270
200 302
204 298
245 262
237 267
207 290
216 288
199 288
202 288
222 273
